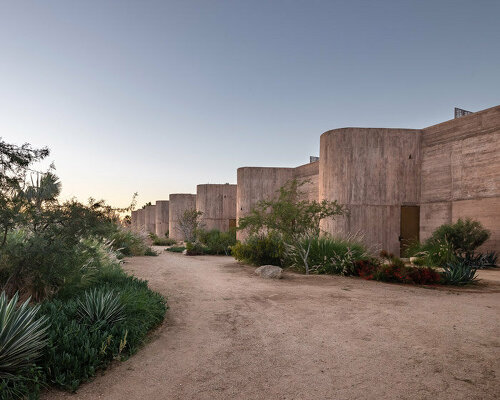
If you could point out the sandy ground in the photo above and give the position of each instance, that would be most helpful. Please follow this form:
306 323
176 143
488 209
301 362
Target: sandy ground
232 335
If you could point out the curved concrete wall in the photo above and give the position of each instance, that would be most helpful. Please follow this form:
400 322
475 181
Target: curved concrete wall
372 171
218 205
141 219
150 219
256 184
178 203
161 217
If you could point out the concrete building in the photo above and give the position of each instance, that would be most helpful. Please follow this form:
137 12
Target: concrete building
133 220
150 219
398 184
218 205
161 217
261 183
141 219
178 203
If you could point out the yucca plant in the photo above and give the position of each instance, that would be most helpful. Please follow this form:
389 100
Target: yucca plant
458 273
22 335
101 305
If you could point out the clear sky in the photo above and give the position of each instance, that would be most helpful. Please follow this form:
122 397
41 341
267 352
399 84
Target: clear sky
157 97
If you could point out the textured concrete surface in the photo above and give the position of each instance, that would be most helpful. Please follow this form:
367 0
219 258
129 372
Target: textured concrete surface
256 184
178 203
133 220
161 217
308 175
461 173
150 219
218 205
141 220
373 171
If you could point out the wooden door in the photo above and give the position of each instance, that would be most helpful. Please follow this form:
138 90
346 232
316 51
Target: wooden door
410 226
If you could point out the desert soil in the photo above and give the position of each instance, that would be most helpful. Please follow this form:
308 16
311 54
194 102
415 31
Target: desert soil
232 335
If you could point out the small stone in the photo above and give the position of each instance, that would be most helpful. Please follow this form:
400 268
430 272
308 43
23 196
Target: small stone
269 272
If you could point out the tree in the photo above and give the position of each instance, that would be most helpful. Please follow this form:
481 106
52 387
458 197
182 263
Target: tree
15 162
294 219
189 223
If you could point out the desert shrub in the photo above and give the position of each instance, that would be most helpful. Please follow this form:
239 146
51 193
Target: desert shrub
371 269
464 236
216 241
328 255
196 249
128 242
260 250
163 241
458 273
78 348
176 249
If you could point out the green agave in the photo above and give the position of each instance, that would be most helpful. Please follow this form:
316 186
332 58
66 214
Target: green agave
101 305
22 335
458 273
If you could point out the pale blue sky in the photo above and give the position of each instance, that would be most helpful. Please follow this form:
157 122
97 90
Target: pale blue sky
158 96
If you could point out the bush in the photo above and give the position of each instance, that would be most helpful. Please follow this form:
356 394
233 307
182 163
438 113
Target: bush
260 250
196 249
373 270
176 249
158 241
217 242
328 255
128 242
78 348
464 236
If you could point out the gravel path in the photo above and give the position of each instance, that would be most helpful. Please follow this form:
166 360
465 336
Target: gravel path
231 335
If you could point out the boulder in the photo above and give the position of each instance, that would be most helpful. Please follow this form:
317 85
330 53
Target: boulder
269 272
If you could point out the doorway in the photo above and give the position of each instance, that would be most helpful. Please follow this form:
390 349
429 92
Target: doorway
410 226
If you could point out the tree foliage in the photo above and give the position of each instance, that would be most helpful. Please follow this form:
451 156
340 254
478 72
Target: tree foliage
294 219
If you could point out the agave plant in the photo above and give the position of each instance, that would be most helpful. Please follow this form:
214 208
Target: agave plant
458 273
22 335
101 305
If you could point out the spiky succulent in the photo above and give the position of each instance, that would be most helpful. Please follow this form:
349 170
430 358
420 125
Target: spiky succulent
458 273
100 305
23 335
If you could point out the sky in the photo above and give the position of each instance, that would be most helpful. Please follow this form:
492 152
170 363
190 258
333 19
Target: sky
156 97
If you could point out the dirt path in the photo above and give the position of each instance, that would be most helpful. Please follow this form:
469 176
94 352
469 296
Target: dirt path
231 335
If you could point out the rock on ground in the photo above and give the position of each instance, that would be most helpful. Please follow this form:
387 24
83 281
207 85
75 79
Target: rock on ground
269 272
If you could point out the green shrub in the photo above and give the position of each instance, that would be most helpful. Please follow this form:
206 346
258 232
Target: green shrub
464 236
329 255
128 242
196 249
77 349
260 250
176 249
157 241
217 242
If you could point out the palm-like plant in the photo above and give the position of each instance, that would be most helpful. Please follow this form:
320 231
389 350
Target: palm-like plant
458 273
101 305
22 335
